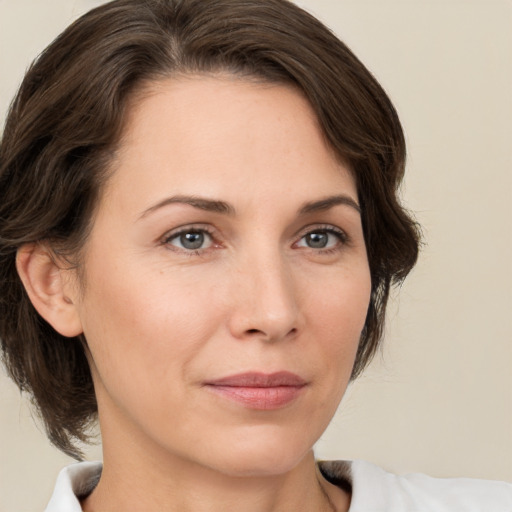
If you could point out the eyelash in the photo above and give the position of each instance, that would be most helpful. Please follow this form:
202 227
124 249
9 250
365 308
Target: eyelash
166 241
320 229
328 229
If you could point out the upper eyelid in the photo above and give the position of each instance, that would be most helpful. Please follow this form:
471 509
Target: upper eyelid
344 239
166 241
186 229
322 227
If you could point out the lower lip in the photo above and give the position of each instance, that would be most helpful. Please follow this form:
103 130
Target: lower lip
259 398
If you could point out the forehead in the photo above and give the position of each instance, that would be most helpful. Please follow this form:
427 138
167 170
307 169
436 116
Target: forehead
221 105
223 133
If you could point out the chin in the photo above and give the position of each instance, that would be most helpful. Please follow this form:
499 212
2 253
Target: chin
266 465
261 455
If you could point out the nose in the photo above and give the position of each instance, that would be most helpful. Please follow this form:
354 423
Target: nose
265 304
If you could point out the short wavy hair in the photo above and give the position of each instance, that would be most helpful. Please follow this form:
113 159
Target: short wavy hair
64 124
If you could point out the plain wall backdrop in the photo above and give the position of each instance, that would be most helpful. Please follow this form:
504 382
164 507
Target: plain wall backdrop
438 398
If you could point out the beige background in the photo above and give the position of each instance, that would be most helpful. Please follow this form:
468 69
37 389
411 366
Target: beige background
439 397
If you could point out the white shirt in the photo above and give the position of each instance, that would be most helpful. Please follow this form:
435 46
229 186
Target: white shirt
373 490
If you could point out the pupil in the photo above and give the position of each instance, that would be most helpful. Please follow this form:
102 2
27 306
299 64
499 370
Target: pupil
317 240
192 240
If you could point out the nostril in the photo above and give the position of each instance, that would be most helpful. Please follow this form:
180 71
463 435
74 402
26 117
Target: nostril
259 332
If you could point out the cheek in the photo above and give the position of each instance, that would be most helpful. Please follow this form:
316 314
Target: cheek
337 313
142 323
336 317
340 303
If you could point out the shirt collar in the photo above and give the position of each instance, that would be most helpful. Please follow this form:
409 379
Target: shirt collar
74 482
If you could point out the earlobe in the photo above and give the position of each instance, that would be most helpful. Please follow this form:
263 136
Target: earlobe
48 287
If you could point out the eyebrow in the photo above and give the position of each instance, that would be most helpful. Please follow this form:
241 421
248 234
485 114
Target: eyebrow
328 203
209 205
217 206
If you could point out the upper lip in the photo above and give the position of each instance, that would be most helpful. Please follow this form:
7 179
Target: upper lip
259 380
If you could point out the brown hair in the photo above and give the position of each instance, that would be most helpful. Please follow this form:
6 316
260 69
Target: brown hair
67 117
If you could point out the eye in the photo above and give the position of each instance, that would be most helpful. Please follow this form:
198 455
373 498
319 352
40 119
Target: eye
190 240
322 239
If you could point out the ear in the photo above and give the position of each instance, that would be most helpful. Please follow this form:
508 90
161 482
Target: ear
49 287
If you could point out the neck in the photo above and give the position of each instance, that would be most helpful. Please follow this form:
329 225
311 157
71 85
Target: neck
144 483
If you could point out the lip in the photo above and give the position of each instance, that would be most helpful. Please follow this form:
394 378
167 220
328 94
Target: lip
260 391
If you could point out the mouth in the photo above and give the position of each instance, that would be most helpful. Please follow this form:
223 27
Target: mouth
259 391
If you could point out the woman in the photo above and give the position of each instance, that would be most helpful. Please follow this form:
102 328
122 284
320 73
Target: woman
205 257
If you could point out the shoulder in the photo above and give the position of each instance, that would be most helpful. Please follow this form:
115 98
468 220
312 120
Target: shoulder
376 490
74 481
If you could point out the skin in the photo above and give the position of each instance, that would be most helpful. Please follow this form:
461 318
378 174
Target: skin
161 319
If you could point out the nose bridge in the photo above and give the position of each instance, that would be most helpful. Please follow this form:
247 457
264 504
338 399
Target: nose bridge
266 300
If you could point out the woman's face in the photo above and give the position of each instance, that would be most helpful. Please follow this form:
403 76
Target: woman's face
226 279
